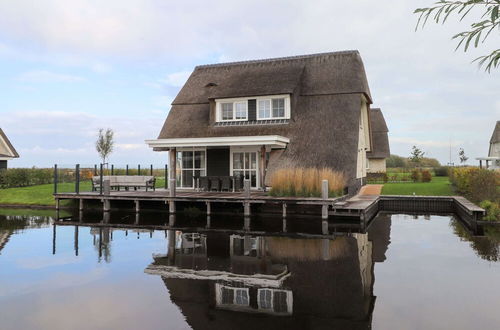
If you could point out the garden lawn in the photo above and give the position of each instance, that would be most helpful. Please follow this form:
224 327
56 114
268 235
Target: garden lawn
439 186
37 195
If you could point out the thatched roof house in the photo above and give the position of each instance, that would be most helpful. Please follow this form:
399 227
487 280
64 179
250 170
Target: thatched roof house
380 142
251 118
493 159
7 150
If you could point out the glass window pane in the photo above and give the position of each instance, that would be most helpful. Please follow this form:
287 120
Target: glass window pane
199 159
227 296
238 173
241 297
278 108
237 160
280 305
254 160
265 299
253 179
187 159
264 109
241 110
187 178
247 160
227 111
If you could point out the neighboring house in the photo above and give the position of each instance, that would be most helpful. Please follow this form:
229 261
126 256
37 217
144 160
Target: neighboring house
251 118
380 143
493 159
7 150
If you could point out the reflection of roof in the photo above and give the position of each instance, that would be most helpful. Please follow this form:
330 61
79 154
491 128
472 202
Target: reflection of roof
9 146
380 139
495 137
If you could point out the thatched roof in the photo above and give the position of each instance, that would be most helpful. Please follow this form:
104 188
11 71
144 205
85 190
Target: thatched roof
380 139
10 147
495 137
327 90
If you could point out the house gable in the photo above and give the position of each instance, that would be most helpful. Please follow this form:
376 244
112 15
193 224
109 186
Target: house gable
7 150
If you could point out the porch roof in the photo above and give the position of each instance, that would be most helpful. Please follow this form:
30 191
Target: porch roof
275 141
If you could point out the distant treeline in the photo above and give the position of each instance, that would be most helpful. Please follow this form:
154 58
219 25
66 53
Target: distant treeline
398 161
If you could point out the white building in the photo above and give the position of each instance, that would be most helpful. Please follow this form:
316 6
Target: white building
493 159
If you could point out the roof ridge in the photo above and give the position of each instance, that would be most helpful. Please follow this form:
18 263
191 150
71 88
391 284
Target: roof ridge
276 59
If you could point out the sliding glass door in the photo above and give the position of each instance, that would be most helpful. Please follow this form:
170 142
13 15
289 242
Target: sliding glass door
190 165
245 164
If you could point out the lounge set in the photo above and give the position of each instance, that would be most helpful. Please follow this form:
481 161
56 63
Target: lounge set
125 181
219 183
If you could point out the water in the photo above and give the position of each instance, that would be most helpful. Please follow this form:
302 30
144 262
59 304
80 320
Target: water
406 272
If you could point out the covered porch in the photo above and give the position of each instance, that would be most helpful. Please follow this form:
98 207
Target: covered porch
489 162
220 163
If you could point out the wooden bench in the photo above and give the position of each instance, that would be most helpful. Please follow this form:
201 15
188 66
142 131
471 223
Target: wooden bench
125 181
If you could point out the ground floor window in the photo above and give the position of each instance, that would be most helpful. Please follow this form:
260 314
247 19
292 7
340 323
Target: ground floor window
191 164
245 164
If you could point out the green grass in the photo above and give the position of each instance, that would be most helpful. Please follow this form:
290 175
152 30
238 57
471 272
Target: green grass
439 186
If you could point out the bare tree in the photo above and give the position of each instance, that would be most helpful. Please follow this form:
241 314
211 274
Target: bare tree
488 22
463 157
104 144
416 155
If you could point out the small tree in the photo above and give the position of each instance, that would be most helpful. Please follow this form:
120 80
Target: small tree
104 144
462 156
416 155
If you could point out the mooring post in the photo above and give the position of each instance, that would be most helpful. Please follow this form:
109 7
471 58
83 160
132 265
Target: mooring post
107 187
137 218
171 220
137 206
324 227
246 209
208 208
139 169
284 225
77 178
151 170
208 221
112 169
80 206
57 204
55 178
171 206
246 187
126 169
324 196
284 210
100 180
246 225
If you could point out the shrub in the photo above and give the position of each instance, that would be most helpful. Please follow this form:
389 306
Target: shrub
415 175
492 210
476 184
441 171
306 182
426 176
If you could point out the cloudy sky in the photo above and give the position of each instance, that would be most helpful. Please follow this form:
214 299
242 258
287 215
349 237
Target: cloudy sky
70 67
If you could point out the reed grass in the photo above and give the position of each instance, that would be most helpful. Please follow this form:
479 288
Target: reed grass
306 182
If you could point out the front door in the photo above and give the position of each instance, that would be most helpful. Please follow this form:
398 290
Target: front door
245 163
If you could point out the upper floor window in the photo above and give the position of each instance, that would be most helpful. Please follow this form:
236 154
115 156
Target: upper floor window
253 108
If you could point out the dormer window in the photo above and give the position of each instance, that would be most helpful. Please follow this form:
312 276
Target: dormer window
253 109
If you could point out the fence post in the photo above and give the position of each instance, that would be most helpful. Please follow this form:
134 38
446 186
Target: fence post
77 182
138 169
100 180
166 176
112 169
126 170
95 170
151 169
55 178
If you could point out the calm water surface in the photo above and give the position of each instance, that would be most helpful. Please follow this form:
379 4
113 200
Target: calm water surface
406 272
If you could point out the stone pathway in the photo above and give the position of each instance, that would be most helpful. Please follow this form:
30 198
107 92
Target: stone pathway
371 189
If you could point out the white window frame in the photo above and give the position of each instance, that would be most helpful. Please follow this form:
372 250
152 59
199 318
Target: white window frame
180 168
233 150
218 295
218 107
234 102
286 97
289 301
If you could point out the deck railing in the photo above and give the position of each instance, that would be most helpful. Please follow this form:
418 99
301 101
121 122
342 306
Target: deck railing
78 178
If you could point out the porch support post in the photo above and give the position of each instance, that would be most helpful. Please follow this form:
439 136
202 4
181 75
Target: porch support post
173 164
262 167
324 196
480 163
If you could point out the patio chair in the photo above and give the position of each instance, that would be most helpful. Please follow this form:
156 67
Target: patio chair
238 183
204 182
214 183
226 183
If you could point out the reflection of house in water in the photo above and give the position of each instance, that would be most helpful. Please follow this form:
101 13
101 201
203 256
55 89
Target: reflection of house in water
10 224
224 281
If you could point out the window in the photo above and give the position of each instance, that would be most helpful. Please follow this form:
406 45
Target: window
190 165
275 301
271 108
227 296
253 108
227 111
241 110
245 165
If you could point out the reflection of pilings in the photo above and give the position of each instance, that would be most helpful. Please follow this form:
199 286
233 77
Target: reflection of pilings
284 224
106 217
137 218
171 220
325 249
54 239
76 240
246 225
208 222
324 227
171 247
80 216
100 243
